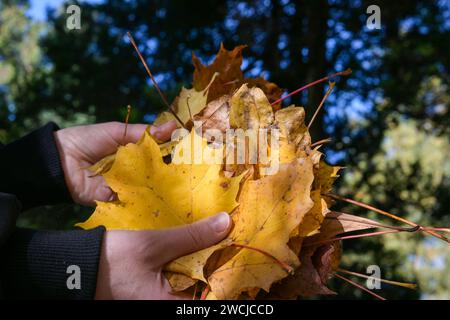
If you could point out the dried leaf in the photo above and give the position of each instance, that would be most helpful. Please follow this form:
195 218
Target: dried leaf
230 77
291 122
336 223
326 259
264 220
102 166
179 282
270 89
188 103
305 282
313 219
228 66
215 115
326 176
250 109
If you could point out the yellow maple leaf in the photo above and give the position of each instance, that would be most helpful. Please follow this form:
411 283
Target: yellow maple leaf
314 218
192 265
189 103
326 175
291 122
178 281
270 208
250 109
153 194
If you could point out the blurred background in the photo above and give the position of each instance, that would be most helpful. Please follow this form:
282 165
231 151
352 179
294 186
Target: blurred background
389 120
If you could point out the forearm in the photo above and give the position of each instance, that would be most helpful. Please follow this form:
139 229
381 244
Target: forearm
31 169
35 264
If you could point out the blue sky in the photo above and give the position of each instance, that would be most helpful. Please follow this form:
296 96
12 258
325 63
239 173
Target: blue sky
38 8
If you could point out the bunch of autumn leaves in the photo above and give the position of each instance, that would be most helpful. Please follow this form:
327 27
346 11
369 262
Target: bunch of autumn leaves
282 243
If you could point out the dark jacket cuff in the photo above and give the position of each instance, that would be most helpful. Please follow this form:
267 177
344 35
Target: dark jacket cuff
32 169
45 264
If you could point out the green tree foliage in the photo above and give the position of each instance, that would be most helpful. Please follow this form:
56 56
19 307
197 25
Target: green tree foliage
20 56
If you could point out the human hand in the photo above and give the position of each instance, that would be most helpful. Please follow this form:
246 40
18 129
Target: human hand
82 146
131 262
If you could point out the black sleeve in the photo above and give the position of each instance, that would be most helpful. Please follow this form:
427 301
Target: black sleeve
36 264
31 169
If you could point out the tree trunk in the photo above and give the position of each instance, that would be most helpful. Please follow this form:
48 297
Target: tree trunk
317 13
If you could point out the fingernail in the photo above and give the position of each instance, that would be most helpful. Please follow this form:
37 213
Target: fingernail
171 123
155 131
158 131
168 124
220 222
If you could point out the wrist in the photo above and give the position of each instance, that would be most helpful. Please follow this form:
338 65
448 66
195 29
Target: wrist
66 161
103 287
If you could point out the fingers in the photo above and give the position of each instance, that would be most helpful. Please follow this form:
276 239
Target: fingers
199 235
164 131
134 131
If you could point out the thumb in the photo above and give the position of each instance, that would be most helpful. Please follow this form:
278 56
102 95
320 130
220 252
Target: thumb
195 236
164 131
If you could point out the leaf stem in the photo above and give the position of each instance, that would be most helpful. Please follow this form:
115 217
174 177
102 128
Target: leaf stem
395 283
447 230
321 103
194 296
127 118
359 286
375 224
163 97
342 73
205 292
282 264
390 215
355 236
320 142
